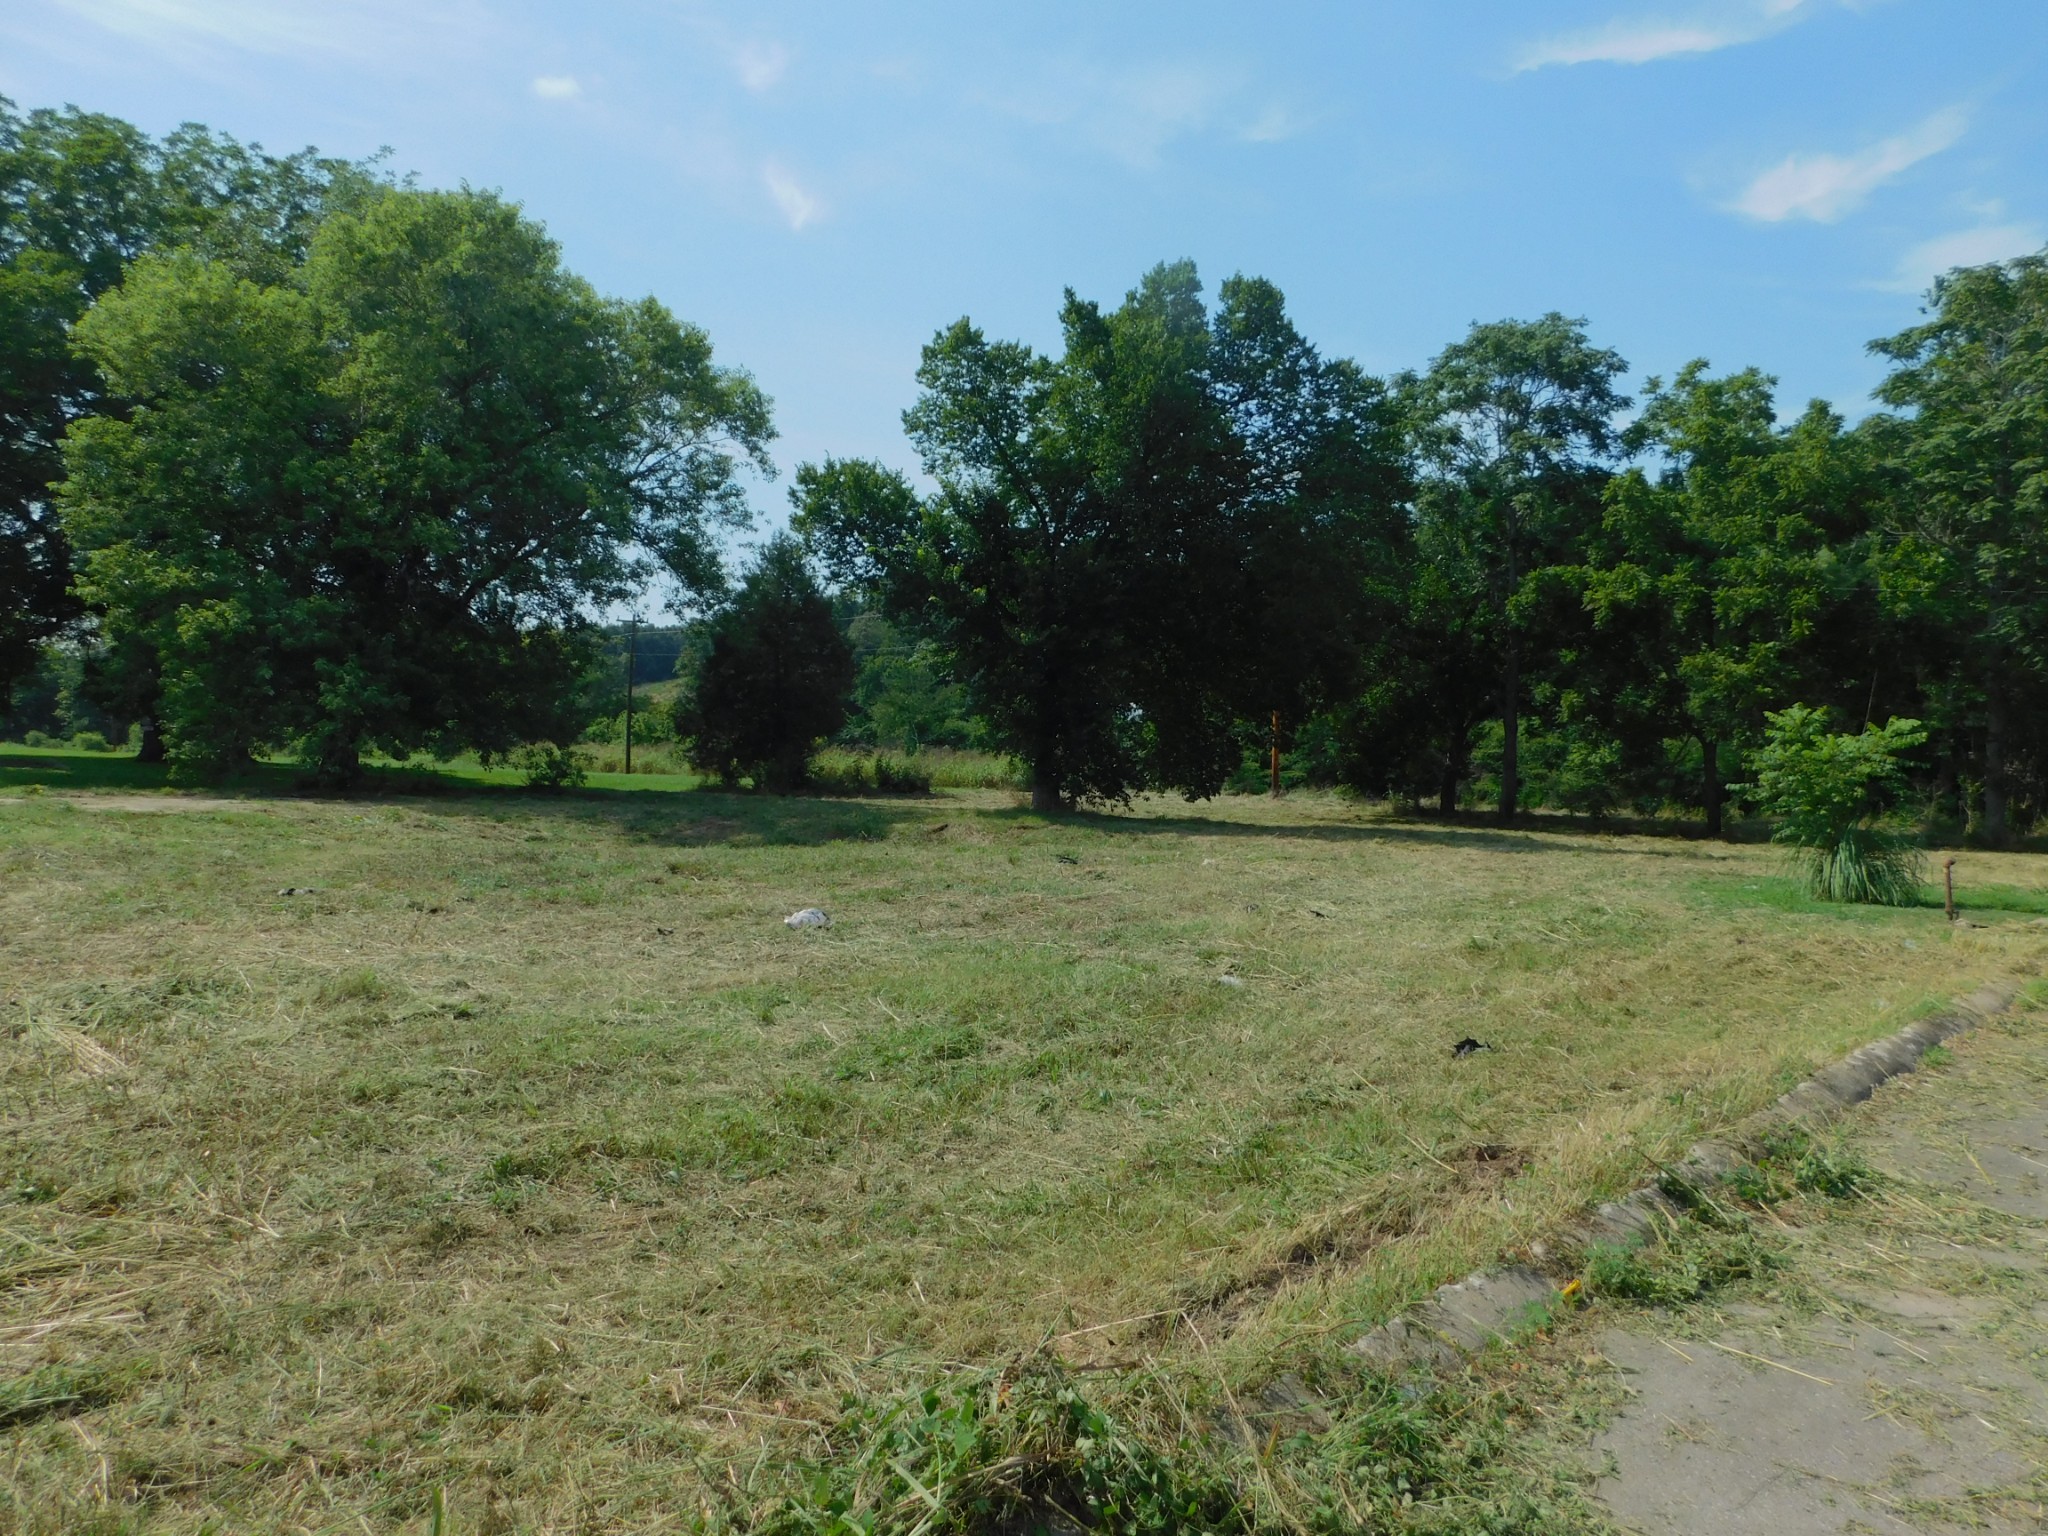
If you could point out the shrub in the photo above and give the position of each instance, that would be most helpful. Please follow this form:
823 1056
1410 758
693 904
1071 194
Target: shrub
901 778
36 739
1833 792
91 741
548 766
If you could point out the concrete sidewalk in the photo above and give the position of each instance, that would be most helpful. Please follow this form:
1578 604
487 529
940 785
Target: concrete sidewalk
1894 1375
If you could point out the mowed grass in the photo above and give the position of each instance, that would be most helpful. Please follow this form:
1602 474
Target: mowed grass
523 1152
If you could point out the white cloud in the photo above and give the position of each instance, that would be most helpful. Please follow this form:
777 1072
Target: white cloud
799 206
1646 39
1920 266
760 65
556 87
1823 187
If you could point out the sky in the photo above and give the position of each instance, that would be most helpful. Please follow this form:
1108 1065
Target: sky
823 186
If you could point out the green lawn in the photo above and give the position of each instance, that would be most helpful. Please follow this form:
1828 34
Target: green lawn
524 1151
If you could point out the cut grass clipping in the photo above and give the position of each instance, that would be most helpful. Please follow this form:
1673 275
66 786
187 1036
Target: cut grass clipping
521 1152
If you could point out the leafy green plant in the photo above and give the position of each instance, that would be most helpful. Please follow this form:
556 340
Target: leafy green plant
548 766
996 1451
1833 792
899 777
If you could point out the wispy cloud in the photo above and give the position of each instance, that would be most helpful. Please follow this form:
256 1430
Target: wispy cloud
1132 114
759 64
1920 266
1275 125
244 24
557 87
1643 40
799 206
1823 187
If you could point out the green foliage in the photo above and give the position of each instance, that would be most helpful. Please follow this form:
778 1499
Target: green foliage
775 680
365 501
81 196
1967 559
841 772
1703 1253
544 765
1832 791
1798 1162
1132 546
1716 587
982 1452
1515 422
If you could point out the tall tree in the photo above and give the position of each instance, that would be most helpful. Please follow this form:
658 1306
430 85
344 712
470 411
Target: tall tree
1516 422
369 505
1729 583
1134 545
81 196
777 678
1969 552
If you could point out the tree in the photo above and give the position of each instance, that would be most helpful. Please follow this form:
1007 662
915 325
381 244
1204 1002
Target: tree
1969 528
776 680
1515 421
370 504
1730 581
81 196
1136 545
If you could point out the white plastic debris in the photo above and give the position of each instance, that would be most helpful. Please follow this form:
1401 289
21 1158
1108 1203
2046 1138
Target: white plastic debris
1229 981
810 917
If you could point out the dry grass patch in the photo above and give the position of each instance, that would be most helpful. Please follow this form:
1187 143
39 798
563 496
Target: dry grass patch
524 1151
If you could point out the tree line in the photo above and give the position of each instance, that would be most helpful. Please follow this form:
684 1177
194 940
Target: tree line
299 457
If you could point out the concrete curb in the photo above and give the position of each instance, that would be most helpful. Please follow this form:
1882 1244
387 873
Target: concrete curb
1461 1318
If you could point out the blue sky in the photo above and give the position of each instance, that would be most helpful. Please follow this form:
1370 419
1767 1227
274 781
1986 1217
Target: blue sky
822 186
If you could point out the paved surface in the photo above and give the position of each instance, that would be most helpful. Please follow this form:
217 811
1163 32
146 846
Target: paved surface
1895 1377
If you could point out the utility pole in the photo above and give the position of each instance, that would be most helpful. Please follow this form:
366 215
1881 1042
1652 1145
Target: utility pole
632 651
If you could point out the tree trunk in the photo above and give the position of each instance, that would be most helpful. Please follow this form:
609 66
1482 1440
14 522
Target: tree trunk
1447 787
150 749
1997 826
1045 796
1711 784
1510 735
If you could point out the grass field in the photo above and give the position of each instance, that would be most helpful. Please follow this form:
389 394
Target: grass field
522 1152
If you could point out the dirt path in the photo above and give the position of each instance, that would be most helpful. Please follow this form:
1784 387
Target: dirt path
1893 1375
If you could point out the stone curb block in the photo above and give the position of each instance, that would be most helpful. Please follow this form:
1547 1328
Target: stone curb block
1464 1317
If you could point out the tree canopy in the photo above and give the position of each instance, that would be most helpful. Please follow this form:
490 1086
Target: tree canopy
370 504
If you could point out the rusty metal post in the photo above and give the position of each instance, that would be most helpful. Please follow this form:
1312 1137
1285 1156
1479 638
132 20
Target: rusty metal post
1948 879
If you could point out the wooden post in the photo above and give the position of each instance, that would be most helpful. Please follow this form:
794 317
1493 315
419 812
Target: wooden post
1948 880
1275 777
632 652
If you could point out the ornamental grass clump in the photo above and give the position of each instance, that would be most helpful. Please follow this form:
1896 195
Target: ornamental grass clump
1834 793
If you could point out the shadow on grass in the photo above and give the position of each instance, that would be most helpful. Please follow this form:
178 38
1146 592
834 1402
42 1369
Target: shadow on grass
1534 833
664 815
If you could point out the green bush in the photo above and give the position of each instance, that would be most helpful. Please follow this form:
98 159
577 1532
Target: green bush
838 772
548 766
91 741
901 778
36 739
1833 792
